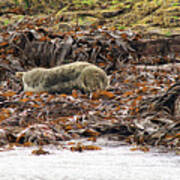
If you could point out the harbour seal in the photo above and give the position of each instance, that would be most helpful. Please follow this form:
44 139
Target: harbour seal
63 79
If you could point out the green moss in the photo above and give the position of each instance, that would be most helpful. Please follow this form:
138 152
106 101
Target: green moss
146 13
176 17
168 33
6 22
115 2
16 2
121 27
81 3
175 4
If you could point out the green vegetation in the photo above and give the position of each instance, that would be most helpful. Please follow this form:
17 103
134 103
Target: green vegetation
83 3
88 2
120 27
16 2
168 33
26 2
176 17
176 4
6 22
135 13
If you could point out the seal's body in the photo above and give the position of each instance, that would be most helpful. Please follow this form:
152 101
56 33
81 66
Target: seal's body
63 79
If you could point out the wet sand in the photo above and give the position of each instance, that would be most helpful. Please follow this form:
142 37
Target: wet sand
108 163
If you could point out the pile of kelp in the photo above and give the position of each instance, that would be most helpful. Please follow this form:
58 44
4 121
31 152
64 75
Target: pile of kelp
141 106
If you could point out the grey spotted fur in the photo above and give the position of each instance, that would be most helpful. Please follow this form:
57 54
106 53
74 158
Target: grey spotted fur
78 75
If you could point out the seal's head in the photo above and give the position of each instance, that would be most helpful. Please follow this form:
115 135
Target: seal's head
19 74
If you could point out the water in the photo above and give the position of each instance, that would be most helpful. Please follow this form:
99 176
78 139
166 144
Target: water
106 164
